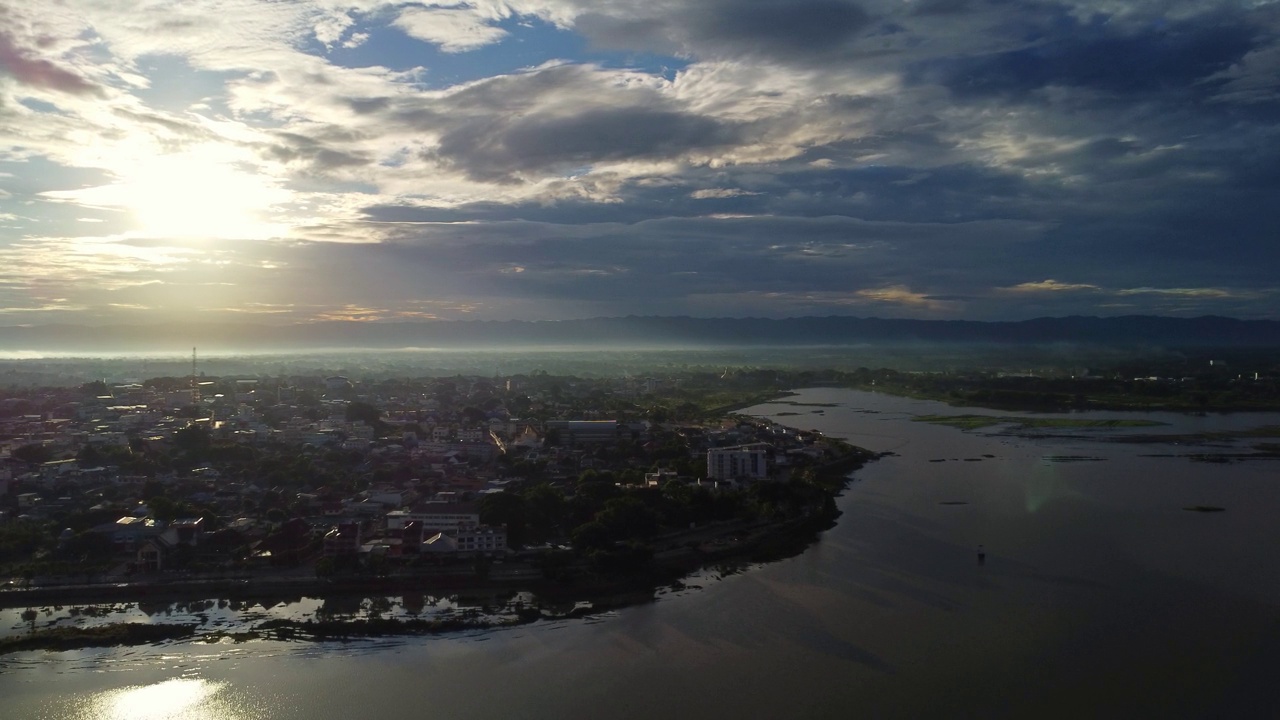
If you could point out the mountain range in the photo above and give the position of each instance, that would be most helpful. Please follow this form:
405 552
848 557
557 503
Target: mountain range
639 331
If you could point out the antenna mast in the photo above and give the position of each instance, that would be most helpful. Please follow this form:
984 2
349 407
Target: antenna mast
195 387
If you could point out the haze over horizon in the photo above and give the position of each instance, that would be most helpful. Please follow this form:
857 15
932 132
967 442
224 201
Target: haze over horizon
366 161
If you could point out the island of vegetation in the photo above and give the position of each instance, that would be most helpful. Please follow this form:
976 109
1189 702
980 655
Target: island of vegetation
975 422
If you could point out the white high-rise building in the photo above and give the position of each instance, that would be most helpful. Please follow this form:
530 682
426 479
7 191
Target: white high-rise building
739 461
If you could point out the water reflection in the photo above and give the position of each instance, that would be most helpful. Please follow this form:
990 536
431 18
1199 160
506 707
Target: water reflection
1100 596
177 699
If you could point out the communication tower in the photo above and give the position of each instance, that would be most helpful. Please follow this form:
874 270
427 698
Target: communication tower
195 384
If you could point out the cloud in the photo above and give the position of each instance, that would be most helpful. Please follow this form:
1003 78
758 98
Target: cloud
330 27
902 295
36 72
1179 292
1049 286
503 147
1254 78
453 30
778 29
595 156
292 147
718 193
1167 59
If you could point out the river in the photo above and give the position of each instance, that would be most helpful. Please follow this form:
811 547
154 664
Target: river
1100 596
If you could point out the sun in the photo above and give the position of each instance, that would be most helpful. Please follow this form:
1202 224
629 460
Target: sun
204 192
200 195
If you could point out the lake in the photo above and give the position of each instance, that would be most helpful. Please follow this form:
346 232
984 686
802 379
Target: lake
1100 596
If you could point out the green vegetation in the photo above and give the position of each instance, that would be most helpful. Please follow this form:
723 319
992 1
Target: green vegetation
1267 431
103 636
1224 436
1130 386
1184 383
805 404
613 530
974 422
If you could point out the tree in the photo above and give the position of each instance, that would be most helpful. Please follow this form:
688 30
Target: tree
508 509
152 489
622 558
590 536
473 415
163 508
89 456
362 412
547 511
33 453
189 411
627 518
192 437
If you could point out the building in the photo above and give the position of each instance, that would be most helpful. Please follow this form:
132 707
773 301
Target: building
343 540
446 528
483 539
158 552
129 531
659 478
472 435
435 517
739 461
574 432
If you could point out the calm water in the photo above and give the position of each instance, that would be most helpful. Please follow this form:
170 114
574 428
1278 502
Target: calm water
1100 596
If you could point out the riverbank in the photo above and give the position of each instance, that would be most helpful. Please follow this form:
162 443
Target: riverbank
586 590
55 639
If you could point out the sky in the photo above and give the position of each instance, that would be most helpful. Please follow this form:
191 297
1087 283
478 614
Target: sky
315 160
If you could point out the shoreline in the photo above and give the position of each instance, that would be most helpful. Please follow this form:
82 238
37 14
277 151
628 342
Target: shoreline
752 542
602 593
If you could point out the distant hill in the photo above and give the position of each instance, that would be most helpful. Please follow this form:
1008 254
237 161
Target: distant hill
633 331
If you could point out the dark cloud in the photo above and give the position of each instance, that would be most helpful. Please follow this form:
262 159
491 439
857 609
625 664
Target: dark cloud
558 119
984 157
779 26
942 194
367 106
1174 58
297 148
38 72
940 7
1085 157
779 29
178 127
681 257
504 147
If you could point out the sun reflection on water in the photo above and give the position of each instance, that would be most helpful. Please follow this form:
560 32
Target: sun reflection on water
177 699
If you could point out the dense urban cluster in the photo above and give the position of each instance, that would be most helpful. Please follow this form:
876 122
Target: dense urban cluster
200 476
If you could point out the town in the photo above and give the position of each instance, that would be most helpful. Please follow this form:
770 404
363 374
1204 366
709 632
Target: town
306 479
359 476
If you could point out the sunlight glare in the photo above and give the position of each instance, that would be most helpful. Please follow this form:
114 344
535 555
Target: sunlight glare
198 195
178 698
